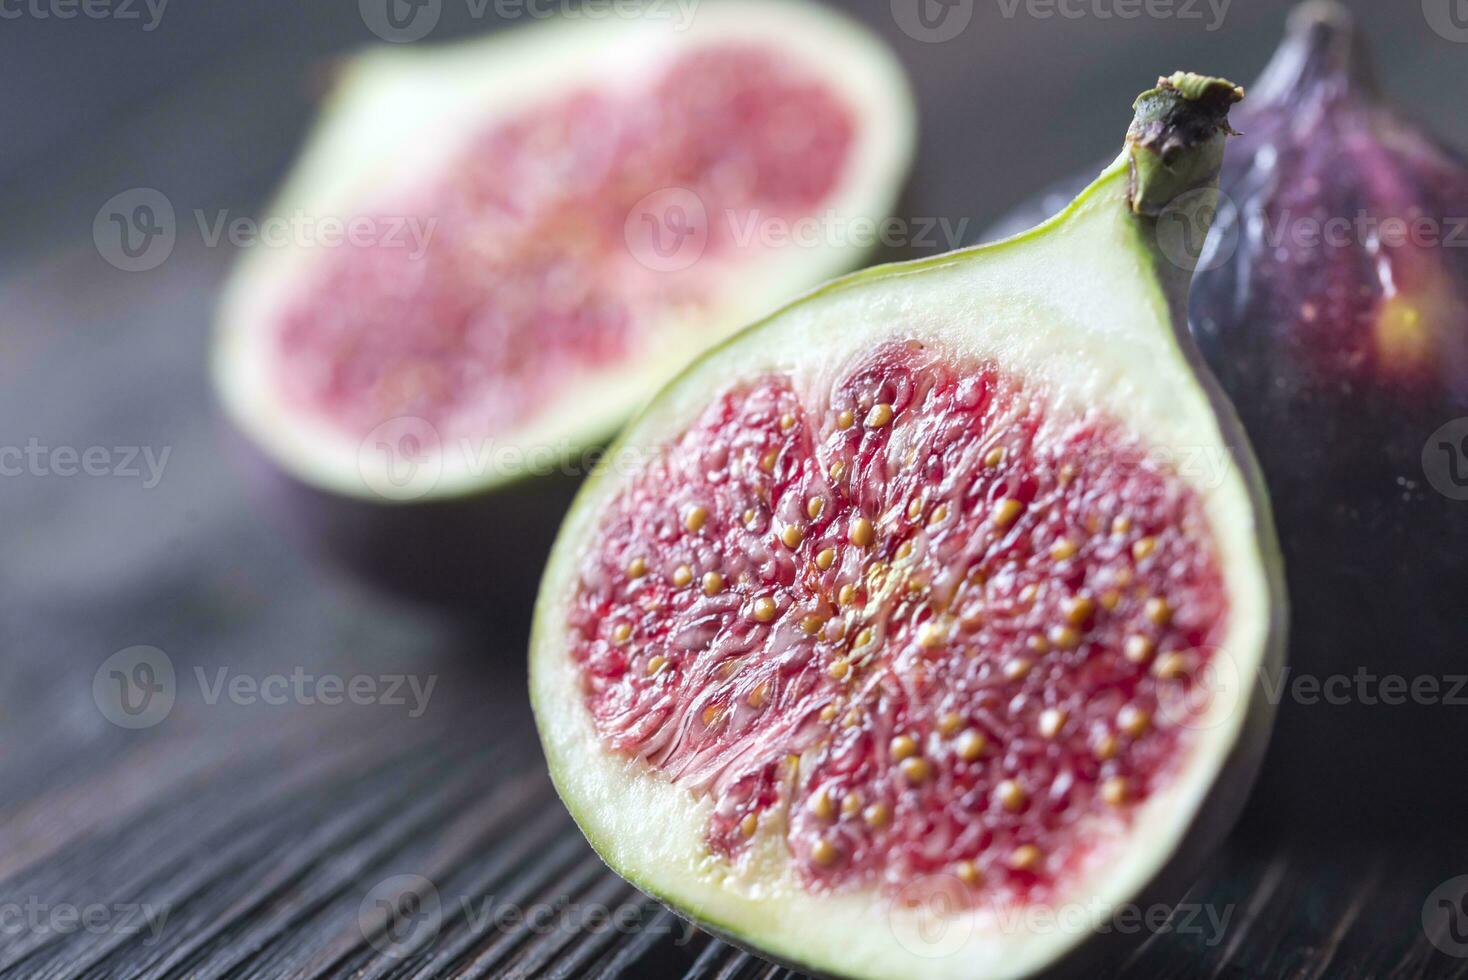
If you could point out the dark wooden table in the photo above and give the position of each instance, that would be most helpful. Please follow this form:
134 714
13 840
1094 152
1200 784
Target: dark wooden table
236 837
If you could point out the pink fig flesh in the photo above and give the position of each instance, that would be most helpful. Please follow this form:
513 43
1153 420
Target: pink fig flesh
532 273
918 620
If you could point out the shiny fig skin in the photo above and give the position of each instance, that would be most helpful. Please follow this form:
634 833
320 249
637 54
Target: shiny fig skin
1339 326
1331 302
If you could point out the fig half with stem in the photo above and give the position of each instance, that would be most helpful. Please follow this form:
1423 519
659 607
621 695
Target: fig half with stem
1330 298
501 248
923 605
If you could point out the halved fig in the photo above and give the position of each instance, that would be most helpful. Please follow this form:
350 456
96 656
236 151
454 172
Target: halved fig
933 600
498 250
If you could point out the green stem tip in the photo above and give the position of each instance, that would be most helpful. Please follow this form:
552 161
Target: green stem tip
1175 143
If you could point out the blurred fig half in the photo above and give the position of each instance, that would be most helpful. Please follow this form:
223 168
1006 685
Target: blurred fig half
911 611
501 248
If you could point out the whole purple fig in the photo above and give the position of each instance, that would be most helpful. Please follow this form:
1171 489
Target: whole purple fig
1331 301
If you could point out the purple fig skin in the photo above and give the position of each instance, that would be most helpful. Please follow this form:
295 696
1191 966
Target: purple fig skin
1331 302
1344 354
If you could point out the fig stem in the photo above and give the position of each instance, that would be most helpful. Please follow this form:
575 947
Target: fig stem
1322 47
1175 143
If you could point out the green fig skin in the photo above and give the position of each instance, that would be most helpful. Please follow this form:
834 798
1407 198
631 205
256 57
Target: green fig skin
1331 301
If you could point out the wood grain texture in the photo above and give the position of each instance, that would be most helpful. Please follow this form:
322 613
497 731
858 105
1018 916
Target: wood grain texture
262 833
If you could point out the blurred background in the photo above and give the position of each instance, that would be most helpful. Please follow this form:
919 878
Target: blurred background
247 838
